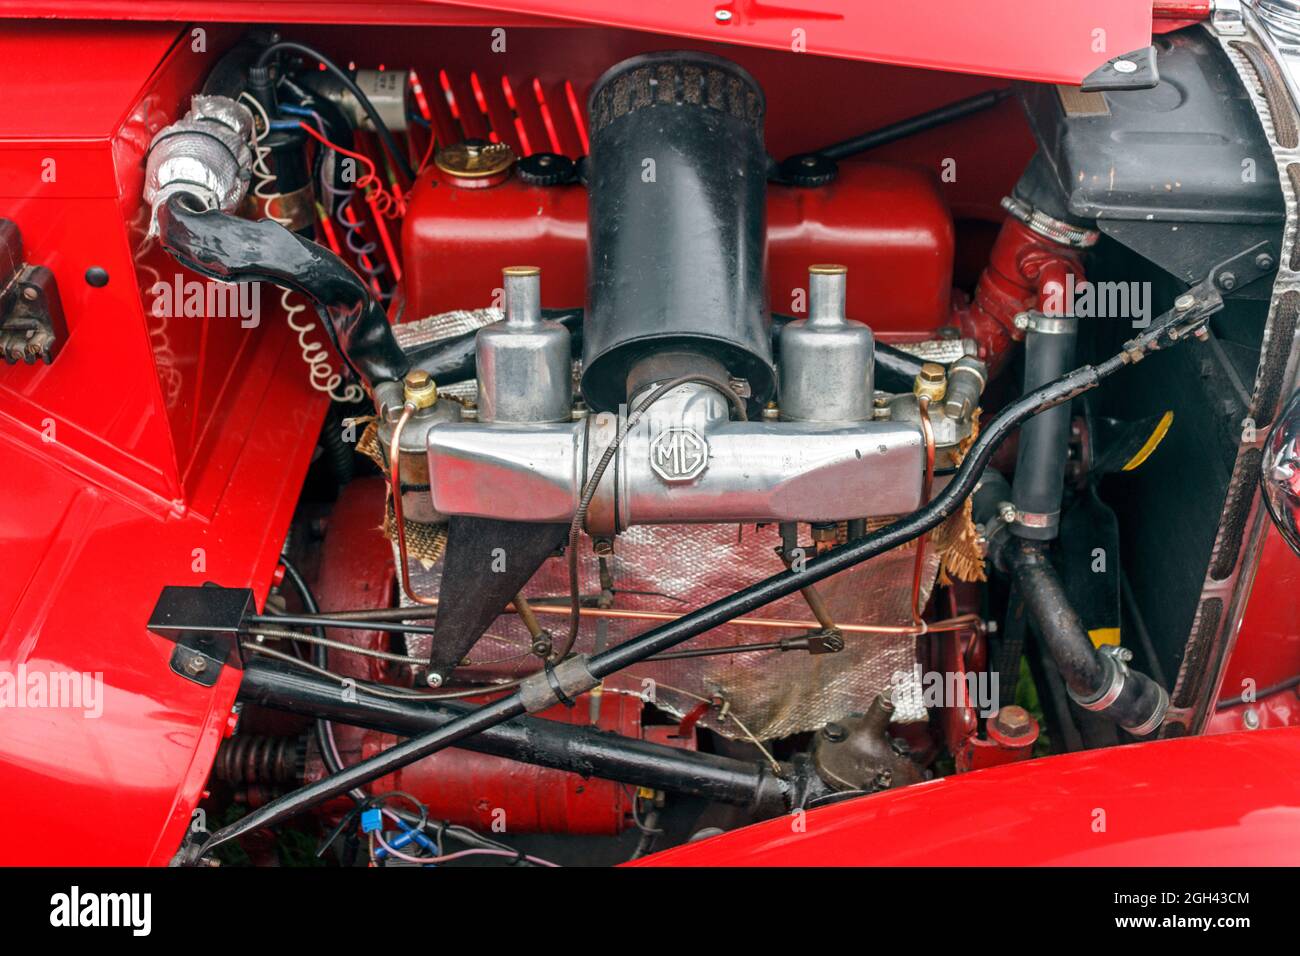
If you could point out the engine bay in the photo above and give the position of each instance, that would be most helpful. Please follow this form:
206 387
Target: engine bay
691 434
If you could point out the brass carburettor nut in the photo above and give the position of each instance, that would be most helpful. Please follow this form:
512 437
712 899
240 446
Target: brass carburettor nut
931 382
420 389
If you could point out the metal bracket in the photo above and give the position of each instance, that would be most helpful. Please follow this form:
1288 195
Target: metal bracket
204 624
1226 18
1192 310
1132 71
826 641
32 325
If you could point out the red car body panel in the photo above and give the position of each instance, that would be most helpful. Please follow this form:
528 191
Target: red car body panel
1008 38
178 455
145 454
1199 801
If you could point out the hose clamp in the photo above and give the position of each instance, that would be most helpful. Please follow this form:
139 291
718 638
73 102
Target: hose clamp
1155 720
1047 324
1114 660
1076 237
1037 520
562 683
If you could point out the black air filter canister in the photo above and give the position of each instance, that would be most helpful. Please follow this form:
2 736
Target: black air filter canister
677 223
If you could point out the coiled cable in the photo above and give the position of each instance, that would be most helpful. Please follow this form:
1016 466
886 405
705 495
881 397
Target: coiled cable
322 375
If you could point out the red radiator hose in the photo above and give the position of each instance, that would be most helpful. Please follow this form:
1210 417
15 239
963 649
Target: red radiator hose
1024 267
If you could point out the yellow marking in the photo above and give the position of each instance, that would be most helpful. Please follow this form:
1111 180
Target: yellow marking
1104 635
1152 442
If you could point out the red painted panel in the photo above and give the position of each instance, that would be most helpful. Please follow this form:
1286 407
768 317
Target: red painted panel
135 490
1159 803
1007 38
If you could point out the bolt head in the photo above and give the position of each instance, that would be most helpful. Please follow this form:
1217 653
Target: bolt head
434 679
1264 261
1250 719
835 733
1013 721
196 665
1125 66
1184 302
1227 281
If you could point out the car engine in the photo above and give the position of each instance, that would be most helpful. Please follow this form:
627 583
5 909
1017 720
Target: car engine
692 448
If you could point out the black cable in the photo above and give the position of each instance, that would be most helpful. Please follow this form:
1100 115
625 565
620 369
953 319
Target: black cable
1172 328
385 134
1259 694
914 124
324 732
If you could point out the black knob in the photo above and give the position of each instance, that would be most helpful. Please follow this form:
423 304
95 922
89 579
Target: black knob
807 169
545 169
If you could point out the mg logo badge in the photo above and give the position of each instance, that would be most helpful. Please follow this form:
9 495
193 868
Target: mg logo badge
678 454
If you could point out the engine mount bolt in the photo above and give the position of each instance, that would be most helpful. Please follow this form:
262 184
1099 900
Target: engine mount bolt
1013 721
835 733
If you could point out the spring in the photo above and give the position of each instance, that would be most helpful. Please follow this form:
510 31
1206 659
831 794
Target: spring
260 760
353 225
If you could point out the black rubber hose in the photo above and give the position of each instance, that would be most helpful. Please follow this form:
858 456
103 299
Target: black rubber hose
1087 672
1045 441
577 748
231 249
697 622
452 359
385 134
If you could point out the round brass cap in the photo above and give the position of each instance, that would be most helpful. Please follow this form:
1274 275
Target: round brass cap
474 160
